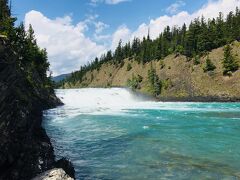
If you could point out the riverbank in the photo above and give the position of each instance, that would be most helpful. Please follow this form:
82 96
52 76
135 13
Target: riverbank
200 99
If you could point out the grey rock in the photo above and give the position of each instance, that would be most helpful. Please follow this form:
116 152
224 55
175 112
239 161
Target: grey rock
53 174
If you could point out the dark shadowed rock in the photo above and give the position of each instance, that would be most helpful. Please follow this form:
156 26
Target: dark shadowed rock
25 149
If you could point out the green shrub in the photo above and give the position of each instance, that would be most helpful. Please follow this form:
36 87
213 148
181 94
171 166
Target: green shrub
129 67
134 82
196 60
230 65
162 65
209 65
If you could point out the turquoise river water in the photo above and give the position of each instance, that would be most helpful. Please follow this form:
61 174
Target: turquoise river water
114 134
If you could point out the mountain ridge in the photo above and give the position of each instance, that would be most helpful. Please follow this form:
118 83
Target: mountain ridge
60 77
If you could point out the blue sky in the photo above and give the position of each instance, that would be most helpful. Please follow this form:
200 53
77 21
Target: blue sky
132 12
75 31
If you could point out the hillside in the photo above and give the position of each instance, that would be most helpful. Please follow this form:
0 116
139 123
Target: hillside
60 77
181 78
195 63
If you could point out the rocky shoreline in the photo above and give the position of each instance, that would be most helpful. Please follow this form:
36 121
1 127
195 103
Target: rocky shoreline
25 148
199 99
206 99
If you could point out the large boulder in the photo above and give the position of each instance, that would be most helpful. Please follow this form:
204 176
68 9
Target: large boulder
53 174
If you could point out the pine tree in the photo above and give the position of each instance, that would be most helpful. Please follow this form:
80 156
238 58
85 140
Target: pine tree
183 35
209 65
237 24
220 30
230 65
30 59
155 84
151 75
6 21
109 56
158 53
118 52
230 27
190 41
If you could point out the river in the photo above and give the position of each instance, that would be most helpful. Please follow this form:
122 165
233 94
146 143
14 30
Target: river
115 134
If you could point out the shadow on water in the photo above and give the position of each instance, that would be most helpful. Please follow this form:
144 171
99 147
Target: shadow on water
88 155
102 150
173 161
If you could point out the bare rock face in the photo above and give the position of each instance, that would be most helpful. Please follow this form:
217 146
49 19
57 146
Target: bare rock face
53 174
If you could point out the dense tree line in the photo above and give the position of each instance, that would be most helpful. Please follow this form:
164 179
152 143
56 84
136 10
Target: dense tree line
201 36
30 58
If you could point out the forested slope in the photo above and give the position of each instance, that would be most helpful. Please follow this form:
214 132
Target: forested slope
179 78
195 63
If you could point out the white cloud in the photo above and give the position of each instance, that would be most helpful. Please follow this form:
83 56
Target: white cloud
111 2
100 26
115 1
174 8
122 33
101 37
67 46
209 10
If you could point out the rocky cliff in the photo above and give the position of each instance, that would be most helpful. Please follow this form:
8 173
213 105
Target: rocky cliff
25 149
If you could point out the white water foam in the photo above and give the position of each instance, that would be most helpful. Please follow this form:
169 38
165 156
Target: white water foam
97 100
119 100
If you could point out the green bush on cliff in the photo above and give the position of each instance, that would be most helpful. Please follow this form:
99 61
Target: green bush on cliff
134 82
196 60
